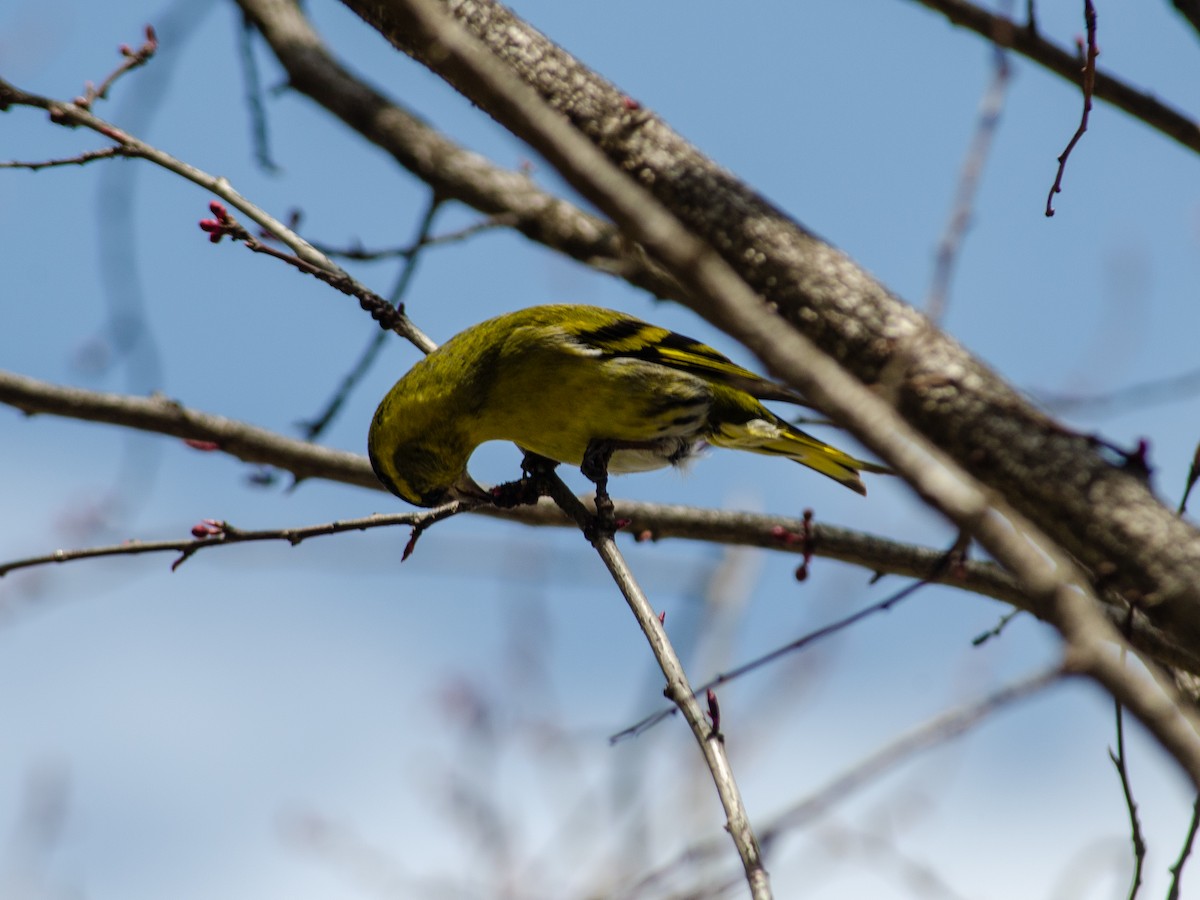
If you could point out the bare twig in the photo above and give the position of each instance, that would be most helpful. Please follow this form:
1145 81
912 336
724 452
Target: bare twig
134 59
1088 56
72 114
1026 40
1135 827
1184 852
388 316
306 257
986 636
79 160
253 96
212 533
358 253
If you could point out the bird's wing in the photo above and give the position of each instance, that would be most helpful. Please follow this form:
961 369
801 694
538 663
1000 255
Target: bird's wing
634 339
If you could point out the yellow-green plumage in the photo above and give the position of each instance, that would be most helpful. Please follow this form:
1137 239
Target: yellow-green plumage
555 379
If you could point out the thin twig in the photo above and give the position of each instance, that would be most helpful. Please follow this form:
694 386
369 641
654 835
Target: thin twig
1026 40
306 257
1177 869
758 662
83 158
70 114
134 59
358 253
1135 825
388 316
259 133
213 533
990 108
1088 83
986 636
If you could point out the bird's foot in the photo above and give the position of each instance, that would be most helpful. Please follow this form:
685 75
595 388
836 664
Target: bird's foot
531 486
595 469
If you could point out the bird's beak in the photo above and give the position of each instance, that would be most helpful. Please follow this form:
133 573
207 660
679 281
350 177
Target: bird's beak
466 490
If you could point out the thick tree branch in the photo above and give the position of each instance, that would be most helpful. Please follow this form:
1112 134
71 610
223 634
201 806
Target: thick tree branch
1099 509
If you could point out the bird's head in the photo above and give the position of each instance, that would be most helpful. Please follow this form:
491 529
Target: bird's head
419 449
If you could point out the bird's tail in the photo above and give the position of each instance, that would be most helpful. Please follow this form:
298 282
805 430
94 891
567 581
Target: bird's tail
764 432
808 451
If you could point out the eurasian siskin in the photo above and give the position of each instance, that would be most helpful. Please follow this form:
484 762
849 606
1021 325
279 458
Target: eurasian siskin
565 381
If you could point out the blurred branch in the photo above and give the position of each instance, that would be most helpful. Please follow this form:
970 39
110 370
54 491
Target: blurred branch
938 730
453 172
1120 762
1134 396
1026 40
648 521
642 725
259 132
990 108
313 428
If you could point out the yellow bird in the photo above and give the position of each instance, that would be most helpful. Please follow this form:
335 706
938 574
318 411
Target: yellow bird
581 385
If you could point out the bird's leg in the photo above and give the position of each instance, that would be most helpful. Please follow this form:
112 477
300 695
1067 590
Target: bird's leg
595 468
534 465
531 486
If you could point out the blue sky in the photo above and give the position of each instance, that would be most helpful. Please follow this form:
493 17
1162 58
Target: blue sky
197 720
